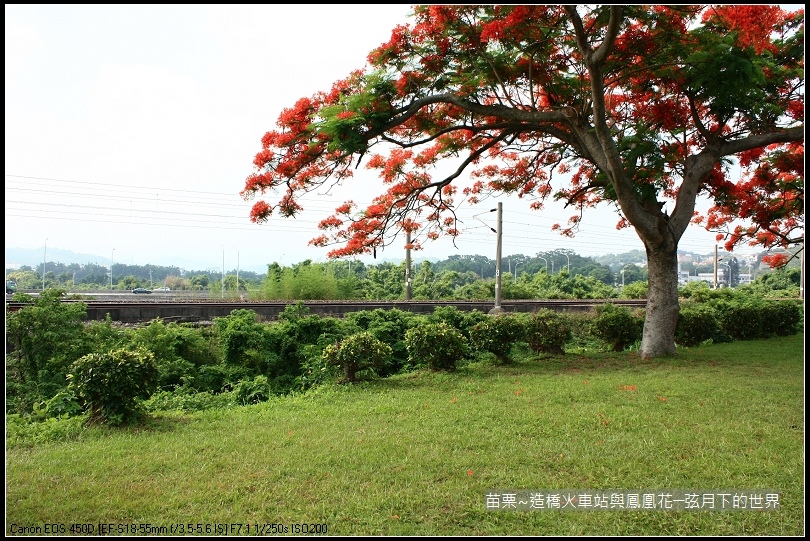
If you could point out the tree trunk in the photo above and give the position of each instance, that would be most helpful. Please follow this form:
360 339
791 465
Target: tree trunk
661 318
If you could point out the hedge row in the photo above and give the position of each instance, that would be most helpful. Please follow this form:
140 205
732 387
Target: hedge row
250 360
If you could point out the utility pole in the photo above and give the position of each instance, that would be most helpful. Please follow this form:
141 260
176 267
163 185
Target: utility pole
407 265
497 307
499 232
223 272
716 261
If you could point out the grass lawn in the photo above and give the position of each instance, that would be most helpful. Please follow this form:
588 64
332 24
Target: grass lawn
417 454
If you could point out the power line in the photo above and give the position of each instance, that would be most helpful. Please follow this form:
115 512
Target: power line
54 199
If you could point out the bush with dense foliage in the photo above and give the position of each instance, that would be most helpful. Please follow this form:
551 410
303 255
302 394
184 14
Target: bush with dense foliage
252 391
388 326
635 290
295 341
62 404
497 335
741 319
785 317
616 326
460 319
43 339
358 353
547 331
697 323
752 318
437 345
179 351
243 339
188 399
697 291
564 286
279 350
110 384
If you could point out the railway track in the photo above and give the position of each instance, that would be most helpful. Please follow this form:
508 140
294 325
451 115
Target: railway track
140 310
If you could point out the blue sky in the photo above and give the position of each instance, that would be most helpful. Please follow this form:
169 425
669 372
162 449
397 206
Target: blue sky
131 129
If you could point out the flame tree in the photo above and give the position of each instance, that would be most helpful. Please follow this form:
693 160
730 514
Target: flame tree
630 106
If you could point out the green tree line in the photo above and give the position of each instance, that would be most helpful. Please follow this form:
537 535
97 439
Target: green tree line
553 274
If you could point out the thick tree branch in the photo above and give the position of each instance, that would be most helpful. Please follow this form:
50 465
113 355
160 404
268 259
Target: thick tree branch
757 140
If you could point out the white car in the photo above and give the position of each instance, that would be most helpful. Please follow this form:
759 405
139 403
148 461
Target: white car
164 288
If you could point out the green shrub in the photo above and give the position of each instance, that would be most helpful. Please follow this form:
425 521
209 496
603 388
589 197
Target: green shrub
438 345
280 354
784 317
315 369
62 404
696 324
277 350
447 314
388 326
751 318
243 339
160 340
698 291
105 335
292 341
312 329
547 331
178 351
635 290
357 353
780 283
617 326
461 320
42 339
187 400
742 319
497 335
110 383
219 377
582 333
252 391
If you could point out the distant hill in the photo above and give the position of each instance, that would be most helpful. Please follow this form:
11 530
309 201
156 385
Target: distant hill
17 257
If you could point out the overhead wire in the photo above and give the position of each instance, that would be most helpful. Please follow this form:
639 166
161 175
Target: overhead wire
105 203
